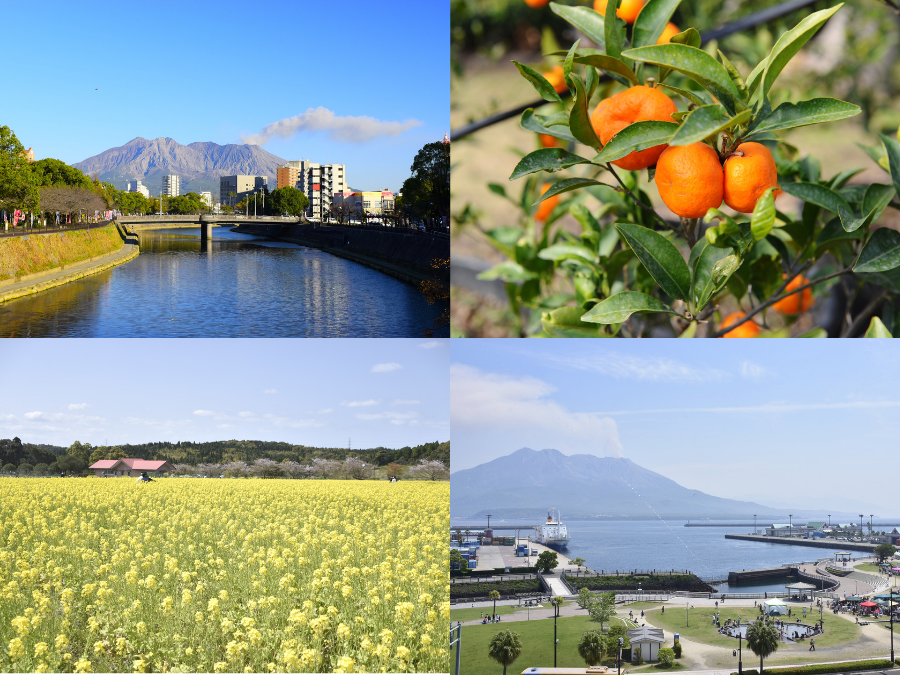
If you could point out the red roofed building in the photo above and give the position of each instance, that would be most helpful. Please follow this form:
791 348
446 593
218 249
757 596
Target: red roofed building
130 467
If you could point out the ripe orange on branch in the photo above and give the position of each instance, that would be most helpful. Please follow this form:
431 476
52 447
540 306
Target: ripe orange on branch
545 208
670 31
796 303
556 78
747 177
627 11
537 3
637 104
690 179
748 329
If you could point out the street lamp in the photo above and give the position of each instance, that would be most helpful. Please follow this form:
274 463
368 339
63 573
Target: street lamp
860 527
687 609
891 603
556 602
489 521
740 653
790 525
618 657
754 524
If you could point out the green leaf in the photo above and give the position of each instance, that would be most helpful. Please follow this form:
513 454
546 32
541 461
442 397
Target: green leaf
832 234
850 222
497 189
763 219
565 186
877 197
688 37
755 77
580 118
611 30
881 253
609 64
634 138
838 180
566 322
539 82
593 79
735 75
660 257
690 96
562 251
509 271
531 122
696 64
816 194
789 44
504 239
877 329
814 333
878 155
620 306
702 263
546 159
651 21
814 111
706 121
892 147
584 19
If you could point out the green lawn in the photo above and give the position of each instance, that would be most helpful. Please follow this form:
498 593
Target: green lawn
869 567
640 605
473 613
537 645
838 630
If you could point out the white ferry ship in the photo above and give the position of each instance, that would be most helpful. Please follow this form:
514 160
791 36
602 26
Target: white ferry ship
552 533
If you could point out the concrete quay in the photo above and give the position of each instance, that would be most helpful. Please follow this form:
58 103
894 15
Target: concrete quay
813 543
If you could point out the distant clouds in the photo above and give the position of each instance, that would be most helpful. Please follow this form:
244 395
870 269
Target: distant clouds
270 391
78 406
385 367
627 367
349 128
357 404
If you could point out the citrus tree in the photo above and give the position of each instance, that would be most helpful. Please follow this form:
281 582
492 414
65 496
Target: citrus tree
648 98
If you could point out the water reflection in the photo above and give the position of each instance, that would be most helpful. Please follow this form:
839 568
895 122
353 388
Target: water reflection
241 286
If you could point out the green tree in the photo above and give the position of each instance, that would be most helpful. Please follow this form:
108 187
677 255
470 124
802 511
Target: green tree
18 184
98 454
287 200
884 551
25 467
426 193
51 171
762 638
592 647
9 468
666 656
676 649
547 561
71 464
494 595
456 557
41 468
82 451
505 648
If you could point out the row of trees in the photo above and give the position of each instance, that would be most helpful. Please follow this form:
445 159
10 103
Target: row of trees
352 468
426 193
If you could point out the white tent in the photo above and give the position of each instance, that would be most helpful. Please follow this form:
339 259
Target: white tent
775 607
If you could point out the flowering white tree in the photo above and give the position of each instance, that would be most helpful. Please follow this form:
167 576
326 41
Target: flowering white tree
432 469
266 468
184 470
209 469
297 470
326 468
236 469
356 468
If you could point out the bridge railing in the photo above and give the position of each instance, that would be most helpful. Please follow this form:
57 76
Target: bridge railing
22 231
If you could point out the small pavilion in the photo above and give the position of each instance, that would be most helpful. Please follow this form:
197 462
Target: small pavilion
802 589
842 557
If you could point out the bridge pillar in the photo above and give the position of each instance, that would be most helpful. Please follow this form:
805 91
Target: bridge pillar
205 233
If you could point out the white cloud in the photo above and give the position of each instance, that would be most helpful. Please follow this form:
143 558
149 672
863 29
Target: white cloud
225 426
78 406
752 371
625 366
204 413
62 417
288 422
33 415
270 391
385 367
387 416
246 414
348 128
770 408
481 400
430 345
402 401
325 411
357 404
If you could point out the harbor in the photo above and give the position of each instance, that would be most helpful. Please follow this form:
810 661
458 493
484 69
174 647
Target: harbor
797 541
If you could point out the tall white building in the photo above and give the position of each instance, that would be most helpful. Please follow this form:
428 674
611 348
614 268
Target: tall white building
319 182
206 198
171 185
135 186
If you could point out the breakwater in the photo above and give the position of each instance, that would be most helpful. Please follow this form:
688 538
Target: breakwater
405 255
813 543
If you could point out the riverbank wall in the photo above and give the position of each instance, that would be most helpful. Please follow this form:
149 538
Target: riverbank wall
405 256
37 262
813 543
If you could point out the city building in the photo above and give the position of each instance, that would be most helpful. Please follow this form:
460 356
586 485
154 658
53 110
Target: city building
371 202
29 154
233 189
319 182
135 186
171 185
206 198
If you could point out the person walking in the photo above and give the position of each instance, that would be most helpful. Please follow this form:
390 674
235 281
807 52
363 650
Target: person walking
812 645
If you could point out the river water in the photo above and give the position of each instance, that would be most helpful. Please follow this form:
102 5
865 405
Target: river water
242 286
664 545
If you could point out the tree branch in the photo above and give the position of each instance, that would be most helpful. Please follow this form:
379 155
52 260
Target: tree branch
636 200
861 317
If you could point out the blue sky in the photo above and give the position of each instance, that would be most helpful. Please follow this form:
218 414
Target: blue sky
377 392
86 78
783 422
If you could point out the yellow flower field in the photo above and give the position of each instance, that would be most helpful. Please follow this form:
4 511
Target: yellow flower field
187 575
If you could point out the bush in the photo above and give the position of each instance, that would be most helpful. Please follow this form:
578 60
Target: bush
846 666
9 468
54 468
638 657
676 649
25 467
666 656
41 468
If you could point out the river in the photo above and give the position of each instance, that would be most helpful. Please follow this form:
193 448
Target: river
243 286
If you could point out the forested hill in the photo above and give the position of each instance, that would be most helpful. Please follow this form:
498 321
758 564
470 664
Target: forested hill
215 452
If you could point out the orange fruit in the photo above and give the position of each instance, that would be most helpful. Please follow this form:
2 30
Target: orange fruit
670 31
748 329
690 179
547 206
627 11
547 141
747 177
637 104
537 3
556 78
796 303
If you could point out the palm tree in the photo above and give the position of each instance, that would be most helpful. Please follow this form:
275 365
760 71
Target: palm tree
762 638
592 647
505 648
494 595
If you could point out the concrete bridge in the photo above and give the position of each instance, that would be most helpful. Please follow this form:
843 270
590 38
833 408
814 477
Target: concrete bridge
203 221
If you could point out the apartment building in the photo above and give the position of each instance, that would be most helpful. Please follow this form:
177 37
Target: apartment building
319 182
373 202
136 186
233 189
171 185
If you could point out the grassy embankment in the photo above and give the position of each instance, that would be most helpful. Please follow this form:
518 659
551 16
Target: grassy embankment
33 253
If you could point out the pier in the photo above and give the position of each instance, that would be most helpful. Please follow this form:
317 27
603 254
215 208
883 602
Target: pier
813 543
